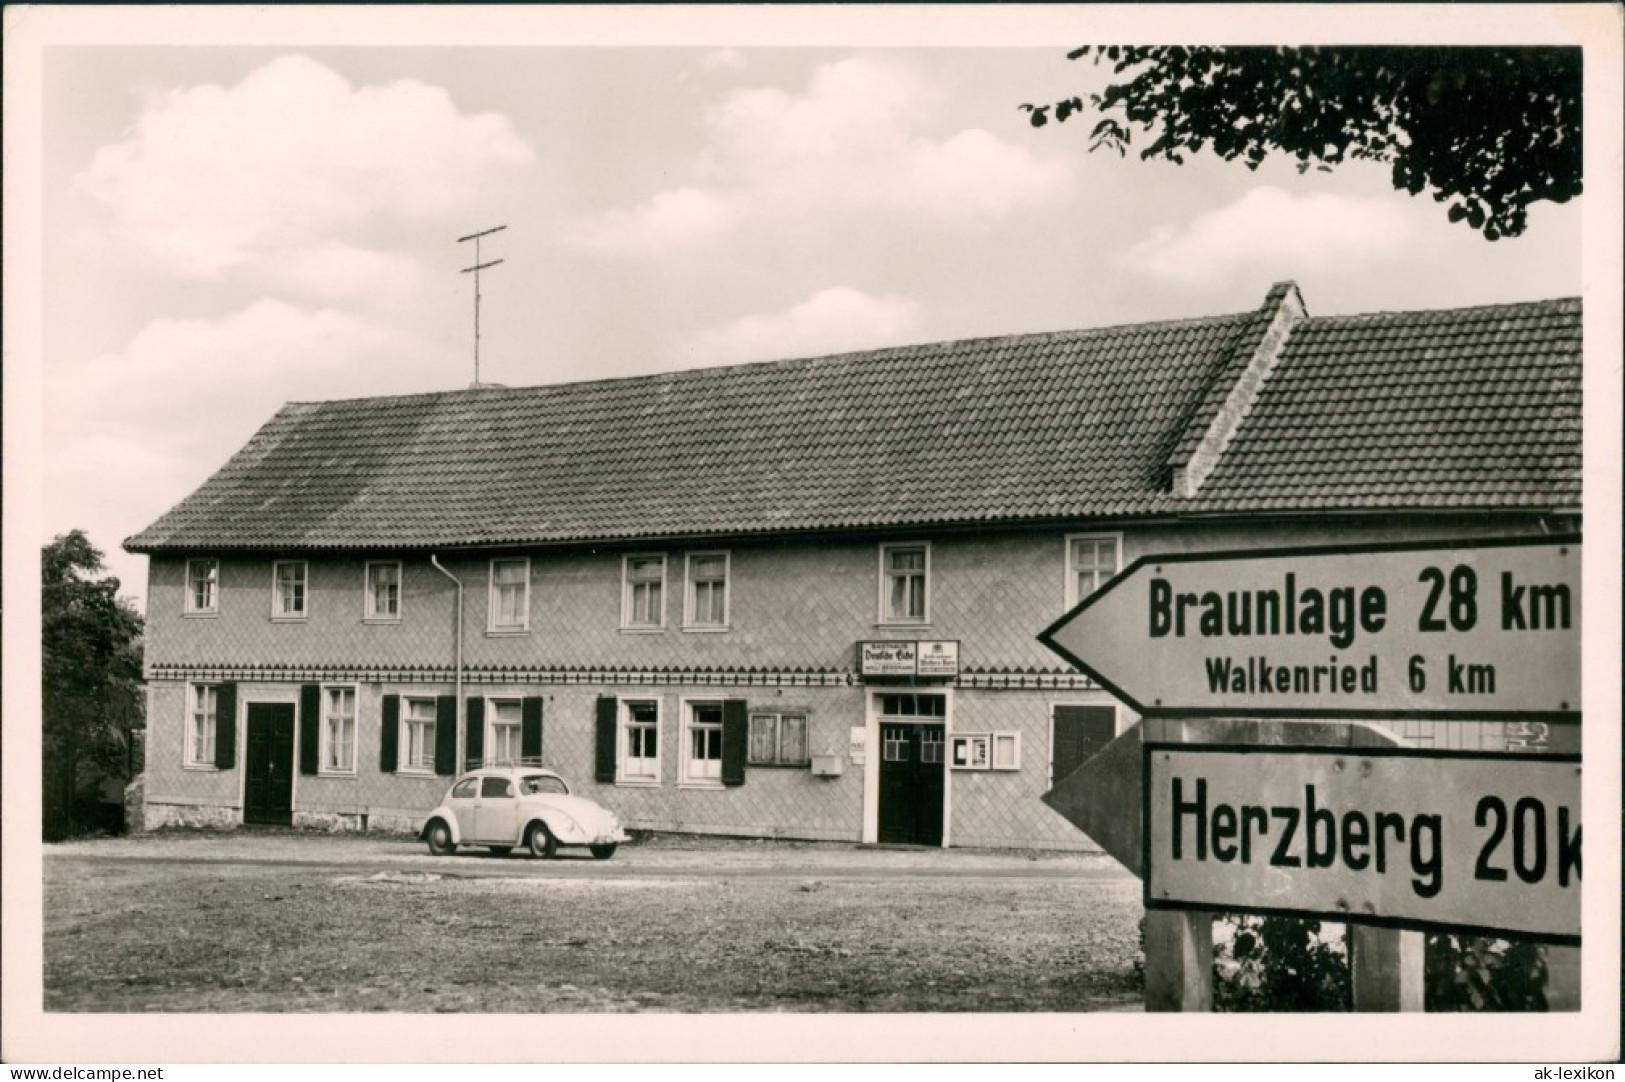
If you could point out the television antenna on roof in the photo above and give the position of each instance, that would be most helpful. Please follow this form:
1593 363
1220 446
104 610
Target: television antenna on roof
475 270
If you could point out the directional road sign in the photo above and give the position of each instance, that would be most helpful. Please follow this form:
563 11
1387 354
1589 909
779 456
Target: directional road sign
1478 629
1479 843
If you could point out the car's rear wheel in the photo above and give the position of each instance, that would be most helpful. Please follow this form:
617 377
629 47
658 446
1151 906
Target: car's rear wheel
501 850
602 852
440 843
542 843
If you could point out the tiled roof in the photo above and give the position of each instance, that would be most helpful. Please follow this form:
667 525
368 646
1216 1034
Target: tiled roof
1462 408
1466 408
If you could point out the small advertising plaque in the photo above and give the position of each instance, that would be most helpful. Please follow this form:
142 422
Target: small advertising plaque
935 659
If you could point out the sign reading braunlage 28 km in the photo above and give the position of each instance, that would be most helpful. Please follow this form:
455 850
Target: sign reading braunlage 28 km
1474 842
1481 630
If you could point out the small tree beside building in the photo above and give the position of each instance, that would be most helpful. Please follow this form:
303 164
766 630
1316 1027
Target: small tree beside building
92 698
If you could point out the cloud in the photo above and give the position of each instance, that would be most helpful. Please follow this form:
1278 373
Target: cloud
863 142
135 430
1274 230
724 60
835 320
211 179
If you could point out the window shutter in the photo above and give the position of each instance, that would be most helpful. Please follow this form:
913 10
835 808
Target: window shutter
445 734
310 721
390 736
605 759
474 744
225 726
735 740
530 732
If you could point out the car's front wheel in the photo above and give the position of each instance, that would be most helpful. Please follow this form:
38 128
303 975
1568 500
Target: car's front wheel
602 852
440 843
542 842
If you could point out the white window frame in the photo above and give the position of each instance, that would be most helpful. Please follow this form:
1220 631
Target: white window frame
778 715
277 612
491 625
403 745
189 607
1012 740
212 727
370 611
1071 595
623 743
691 594
885 618
518 727
326 743
687 778
626 593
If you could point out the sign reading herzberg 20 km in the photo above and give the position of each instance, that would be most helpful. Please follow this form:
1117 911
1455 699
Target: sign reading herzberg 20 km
1481 630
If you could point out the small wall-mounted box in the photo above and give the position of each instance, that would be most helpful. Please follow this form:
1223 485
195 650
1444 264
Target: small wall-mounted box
827 766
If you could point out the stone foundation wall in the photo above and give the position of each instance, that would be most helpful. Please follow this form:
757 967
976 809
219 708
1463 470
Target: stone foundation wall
155 816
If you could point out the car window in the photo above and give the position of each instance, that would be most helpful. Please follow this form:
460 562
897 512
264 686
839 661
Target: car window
496 787
465 788
543 783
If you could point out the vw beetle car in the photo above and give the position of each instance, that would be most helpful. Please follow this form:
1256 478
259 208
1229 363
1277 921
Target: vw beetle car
501 807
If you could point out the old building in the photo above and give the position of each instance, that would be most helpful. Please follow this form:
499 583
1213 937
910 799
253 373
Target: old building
798 599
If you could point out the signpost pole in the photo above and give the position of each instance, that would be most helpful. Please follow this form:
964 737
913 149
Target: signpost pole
1178 943
1386 968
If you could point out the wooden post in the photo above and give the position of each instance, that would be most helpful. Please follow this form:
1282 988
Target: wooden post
1386 969
1562 978
1178 960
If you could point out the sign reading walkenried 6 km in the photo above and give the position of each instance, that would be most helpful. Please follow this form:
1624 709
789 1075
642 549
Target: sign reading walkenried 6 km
1483 630
1485 843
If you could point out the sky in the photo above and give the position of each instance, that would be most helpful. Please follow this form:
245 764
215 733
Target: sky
229 228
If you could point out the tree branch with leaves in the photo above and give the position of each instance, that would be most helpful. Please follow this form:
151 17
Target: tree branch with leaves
1486 130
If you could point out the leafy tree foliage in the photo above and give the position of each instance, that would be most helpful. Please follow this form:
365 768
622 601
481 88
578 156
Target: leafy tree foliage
92 671
1279 964
1487 130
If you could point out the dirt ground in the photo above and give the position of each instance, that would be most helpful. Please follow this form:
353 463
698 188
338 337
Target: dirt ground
290 922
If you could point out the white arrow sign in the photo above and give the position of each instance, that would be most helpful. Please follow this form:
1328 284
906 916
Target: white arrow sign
1478 629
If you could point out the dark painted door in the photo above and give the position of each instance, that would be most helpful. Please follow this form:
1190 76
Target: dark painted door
911 774
268 787
1080 732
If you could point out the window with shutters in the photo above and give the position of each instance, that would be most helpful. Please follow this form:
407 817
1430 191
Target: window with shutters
503 730
640 742
643 594
706 606
202 718
905 584
202 588
417 735
778 739
1091 561
510 596
289 590
702 743
338 730
383 591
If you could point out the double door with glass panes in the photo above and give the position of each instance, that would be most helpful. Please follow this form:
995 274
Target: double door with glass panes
912 733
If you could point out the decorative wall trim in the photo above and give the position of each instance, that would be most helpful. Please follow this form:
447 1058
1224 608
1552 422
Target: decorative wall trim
988 679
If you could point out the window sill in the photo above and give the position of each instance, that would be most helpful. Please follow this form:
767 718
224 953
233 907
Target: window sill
706 629
200 615
416 772
643 630
380 619
785 766
506 632
716 785
289 619
350 774
911 625
638 783
207 768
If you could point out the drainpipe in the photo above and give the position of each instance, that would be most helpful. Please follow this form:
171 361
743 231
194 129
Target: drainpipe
457 766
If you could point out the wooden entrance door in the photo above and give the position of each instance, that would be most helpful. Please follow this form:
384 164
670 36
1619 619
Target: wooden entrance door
268 761
911 783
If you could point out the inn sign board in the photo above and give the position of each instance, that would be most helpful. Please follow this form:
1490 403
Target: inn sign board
1475 629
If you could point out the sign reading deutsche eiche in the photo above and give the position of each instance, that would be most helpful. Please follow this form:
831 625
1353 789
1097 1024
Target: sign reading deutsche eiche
1483 629
1485 843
